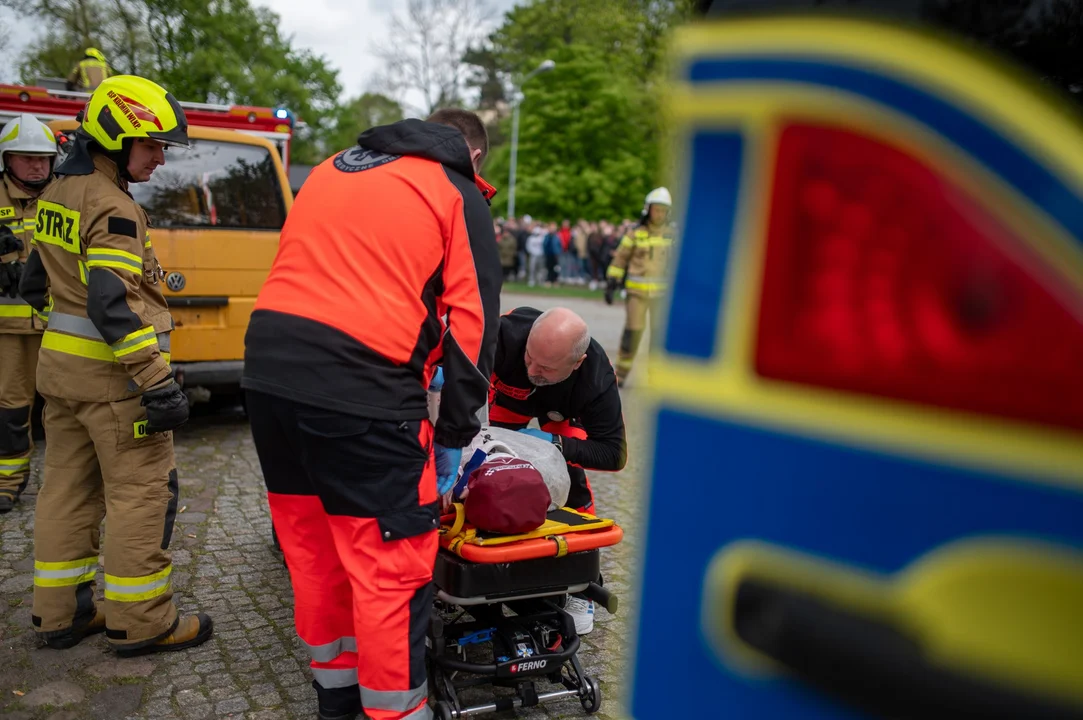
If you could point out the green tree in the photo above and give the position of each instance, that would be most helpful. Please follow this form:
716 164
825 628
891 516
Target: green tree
590 130
361 113
587 142
200 50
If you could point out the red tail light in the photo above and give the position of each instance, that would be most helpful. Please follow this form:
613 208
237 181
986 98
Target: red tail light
883 278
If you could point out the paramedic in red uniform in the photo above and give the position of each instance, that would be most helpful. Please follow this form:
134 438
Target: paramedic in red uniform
548 367
388 238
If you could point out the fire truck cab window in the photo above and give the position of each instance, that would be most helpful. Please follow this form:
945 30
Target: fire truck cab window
214 184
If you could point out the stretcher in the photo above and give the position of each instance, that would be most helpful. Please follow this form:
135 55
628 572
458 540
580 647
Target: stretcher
499 619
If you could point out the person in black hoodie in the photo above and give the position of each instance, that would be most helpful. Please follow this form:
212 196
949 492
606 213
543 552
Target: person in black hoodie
387 266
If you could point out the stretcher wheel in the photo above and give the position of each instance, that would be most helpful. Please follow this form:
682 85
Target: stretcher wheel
443 711
591 697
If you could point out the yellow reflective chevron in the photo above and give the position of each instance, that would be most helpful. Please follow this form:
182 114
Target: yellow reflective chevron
117 259
136 589
66 573
141 338
57 225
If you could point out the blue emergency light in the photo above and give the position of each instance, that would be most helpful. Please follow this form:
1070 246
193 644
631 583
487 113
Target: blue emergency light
286 114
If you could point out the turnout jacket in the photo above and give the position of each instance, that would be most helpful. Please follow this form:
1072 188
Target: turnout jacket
588 397
387 265
642 260
109 326
17 212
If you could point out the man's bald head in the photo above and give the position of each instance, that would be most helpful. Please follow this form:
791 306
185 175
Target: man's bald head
556 347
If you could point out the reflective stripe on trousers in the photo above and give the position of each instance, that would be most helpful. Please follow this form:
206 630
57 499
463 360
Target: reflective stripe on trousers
67 572
10 466
391 700
329 651
137 589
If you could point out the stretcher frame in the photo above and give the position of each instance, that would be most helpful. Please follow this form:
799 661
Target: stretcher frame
450 672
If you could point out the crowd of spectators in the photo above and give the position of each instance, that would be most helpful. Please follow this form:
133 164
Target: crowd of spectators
548 254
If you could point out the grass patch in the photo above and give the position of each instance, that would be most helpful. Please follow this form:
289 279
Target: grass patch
575 291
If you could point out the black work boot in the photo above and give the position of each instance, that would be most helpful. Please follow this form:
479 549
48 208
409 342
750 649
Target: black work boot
7 501
338 703
75 635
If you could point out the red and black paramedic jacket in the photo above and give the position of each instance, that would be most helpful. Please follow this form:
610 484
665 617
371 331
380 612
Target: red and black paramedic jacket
387 238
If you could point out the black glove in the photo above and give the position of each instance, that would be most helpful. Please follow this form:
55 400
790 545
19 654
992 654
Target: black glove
167 407
10 273
610 288
9 243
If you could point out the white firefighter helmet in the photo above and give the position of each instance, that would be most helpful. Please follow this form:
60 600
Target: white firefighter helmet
658 196
26 135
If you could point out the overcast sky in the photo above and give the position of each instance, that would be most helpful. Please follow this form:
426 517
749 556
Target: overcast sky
343 31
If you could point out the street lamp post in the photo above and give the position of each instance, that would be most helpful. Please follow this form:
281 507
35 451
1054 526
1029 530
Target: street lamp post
516 99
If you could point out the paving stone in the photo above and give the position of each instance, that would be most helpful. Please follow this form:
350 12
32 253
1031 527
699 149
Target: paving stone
126 668
122 699
197 711
57 693
187 681
233 705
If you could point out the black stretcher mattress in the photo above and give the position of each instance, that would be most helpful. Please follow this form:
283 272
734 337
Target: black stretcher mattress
464 579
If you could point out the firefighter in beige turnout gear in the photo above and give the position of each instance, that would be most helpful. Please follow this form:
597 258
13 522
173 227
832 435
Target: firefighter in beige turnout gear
111 401
27 153
641 262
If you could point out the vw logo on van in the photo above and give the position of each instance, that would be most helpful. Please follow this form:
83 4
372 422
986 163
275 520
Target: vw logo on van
175 281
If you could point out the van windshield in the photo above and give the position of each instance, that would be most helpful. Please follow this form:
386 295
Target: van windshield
214 184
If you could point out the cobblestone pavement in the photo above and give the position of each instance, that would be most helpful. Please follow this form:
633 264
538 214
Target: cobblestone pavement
224 564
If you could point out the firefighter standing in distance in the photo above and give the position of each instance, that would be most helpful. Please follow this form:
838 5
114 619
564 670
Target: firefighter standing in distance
641 261
27 153
111 400
89 72
341 347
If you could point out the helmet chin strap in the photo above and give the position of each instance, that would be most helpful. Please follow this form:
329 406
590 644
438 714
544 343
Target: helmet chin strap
33 184
121 158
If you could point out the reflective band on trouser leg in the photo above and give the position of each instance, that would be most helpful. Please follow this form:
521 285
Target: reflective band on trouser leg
14 476
137 589
393 700
329 651
65 573
330 678
14 466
